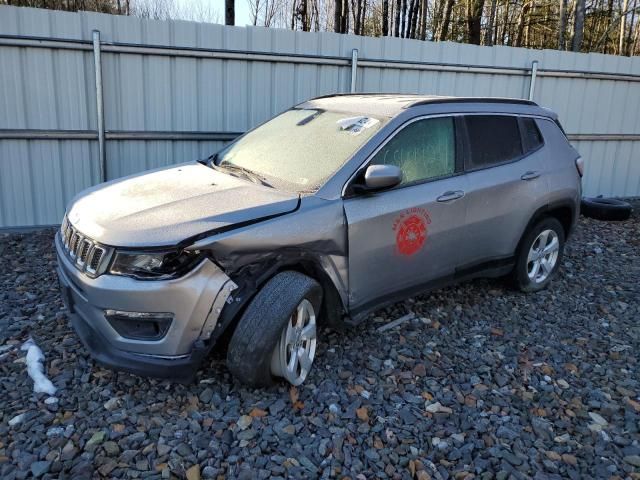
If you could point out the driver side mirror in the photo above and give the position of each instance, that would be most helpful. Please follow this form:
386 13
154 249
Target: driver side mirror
380 177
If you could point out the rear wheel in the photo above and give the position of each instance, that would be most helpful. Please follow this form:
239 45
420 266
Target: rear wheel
277 334
540 255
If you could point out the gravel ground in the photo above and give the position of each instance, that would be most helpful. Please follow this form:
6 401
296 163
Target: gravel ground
485 382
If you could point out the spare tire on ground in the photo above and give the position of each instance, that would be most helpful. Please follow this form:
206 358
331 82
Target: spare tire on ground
605 208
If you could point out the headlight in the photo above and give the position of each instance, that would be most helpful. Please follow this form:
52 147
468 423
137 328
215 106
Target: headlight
154 265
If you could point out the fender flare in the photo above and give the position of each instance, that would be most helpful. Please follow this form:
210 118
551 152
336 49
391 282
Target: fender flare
550 207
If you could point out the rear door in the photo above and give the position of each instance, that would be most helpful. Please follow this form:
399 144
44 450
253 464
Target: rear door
403 238
506 177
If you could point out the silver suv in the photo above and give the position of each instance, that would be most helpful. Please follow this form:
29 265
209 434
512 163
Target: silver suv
325 212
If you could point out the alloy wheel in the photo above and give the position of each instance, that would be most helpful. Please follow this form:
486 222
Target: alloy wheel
543 256
296 349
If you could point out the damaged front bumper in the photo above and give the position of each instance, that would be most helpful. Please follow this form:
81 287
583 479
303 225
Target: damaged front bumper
190 307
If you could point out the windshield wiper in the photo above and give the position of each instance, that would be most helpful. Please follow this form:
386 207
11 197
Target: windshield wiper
249 174
311 117
210 161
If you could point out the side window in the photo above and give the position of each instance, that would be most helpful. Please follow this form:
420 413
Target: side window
422 150
531 138
493 139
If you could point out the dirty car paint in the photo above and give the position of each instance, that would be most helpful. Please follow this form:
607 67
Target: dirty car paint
169 205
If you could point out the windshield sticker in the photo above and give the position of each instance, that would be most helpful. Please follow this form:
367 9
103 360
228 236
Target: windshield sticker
411 230
355 125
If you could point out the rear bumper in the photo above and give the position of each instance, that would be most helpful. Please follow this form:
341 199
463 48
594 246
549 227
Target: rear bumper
195 301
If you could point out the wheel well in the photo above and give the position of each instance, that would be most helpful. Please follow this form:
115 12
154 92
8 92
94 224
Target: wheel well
564 215
252 278
332 309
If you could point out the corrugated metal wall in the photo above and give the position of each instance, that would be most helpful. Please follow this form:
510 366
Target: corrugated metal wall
224 80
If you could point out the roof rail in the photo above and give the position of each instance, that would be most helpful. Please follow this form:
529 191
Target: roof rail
517 101
434 98
363 94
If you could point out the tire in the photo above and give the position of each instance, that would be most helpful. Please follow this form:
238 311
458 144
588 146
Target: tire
261 327
524 267
605 208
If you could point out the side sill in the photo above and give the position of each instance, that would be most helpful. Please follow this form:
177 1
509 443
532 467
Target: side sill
492 268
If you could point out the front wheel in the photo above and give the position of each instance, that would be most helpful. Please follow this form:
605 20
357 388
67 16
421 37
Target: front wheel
540 255
277 334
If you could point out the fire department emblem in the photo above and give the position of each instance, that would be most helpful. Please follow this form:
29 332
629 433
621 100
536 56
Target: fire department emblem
411 231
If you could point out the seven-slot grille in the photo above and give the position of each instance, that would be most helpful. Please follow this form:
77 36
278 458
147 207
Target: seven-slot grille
87 255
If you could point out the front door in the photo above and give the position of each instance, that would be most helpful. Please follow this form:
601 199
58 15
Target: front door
406 237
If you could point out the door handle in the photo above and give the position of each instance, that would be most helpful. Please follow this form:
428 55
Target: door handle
450 195
530 175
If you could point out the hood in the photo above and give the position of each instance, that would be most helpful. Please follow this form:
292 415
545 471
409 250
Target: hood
167 206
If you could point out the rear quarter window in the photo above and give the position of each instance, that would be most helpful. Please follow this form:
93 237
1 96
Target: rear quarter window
531 137
493 139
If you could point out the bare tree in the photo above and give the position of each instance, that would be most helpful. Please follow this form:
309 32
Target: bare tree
578 26
363 17
413 15
356 10
521 23
629 50
303 14
608 26
444 29
562 24
437 18
229 12
423 19
345 16
488 36
156 10
254 10
474 17
385 18
337 16
397 22
623 24
636 42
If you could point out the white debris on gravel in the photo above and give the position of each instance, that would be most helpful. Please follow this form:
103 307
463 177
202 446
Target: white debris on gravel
35 369
16 420
395 323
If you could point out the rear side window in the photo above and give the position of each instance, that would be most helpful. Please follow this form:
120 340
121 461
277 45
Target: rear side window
531 138
493 139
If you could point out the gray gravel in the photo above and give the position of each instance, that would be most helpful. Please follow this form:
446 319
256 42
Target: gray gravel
483 382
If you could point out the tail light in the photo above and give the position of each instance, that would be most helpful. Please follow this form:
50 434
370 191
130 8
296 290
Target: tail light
580 166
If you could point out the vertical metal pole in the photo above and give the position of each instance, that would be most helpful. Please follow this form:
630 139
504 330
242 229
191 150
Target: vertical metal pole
354 69
97 63
532 85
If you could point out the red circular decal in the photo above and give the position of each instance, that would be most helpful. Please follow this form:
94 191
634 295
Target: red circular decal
411 234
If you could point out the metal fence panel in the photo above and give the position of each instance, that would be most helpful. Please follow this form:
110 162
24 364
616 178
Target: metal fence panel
38 178
174 91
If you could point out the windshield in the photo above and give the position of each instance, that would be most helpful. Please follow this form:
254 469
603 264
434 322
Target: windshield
299 149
